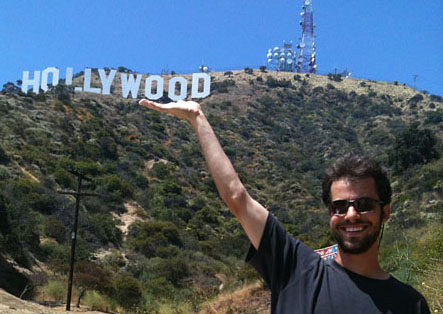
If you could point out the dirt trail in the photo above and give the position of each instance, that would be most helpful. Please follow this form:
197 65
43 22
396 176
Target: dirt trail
10 304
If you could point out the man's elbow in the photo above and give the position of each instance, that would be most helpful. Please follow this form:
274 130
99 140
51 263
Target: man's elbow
236 199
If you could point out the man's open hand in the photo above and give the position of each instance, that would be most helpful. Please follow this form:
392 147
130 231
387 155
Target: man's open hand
187 110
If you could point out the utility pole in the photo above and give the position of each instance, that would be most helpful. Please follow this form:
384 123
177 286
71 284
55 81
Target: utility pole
77 195
415 80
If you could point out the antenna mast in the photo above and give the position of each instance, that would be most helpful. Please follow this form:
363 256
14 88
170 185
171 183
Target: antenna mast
306 61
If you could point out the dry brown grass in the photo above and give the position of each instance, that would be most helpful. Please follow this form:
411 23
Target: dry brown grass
252 298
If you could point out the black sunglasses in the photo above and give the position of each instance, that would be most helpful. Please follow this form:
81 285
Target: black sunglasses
361 205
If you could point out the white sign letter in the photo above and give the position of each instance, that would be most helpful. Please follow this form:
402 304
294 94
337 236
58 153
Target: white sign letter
148 87
35 82
45 74
68 80
183 88
129 85
196 77
106 81
87 83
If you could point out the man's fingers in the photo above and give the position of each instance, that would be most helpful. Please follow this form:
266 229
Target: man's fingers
151 104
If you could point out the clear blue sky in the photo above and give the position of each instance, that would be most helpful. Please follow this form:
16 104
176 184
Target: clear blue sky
381 40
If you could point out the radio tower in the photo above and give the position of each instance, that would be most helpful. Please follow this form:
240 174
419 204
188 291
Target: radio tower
306 62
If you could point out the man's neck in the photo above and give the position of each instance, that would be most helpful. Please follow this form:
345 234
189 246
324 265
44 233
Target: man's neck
365 264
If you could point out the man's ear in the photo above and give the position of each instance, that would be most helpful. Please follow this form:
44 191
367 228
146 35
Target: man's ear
386 212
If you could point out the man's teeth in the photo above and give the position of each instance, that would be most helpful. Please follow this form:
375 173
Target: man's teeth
354 229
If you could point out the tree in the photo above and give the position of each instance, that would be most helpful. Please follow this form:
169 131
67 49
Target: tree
248 70
412 146
128 291
90 276
4 158
10 87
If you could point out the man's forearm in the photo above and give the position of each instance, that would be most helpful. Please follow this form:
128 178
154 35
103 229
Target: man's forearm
228 184
251 215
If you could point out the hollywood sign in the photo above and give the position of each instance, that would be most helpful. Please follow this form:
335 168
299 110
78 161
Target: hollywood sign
130 83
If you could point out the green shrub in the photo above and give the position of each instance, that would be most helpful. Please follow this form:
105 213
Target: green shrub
99 302
273 83
147 237
222 86
249 70
335 77
128 291
4 158
54 228
55 290
412 146
160 288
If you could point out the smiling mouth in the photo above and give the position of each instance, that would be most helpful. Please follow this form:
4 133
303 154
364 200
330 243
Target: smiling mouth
353 229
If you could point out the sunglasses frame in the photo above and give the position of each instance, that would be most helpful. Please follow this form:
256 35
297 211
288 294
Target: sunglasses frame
354 204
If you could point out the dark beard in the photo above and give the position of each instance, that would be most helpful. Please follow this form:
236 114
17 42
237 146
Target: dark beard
364 245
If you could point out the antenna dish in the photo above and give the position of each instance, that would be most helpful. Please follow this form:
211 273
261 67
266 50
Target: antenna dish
275 54
269 60
289 61
269 55
269 50
307 2
282 60
275 48
302 45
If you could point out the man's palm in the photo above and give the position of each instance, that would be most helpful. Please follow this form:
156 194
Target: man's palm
181 109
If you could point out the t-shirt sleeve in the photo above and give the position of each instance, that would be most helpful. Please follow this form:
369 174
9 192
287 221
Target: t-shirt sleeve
279 256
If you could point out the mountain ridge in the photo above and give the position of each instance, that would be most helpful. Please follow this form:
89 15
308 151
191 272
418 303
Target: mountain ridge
280 130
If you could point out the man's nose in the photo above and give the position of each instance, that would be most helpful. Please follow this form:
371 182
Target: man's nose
352 213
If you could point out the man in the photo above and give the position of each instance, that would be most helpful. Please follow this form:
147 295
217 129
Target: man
357 194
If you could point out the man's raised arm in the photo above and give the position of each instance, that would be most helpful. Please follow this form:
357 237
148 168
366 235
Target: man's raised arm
251 214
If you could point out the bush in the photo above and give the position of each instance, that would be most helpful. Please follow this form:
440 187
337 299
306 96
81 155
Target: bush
222 87
249 70
434 117
99 302
55 229
412 146
4 158
272 82
147 237
128 291
174 269
335 77
413 101
103 226
55 290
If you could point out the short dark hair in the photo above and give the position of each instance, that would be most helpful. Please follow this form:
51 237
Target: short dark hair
352 166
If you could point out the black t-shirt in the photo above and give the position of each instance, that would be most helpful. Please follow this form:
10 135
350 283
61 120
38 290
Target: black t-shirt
302 282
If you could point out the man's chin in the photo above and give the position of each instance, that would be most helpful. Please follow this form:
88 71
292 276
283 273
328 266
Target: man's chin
355 248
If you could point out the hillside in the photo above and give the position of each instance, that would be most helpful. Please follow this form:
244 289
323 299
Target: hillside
157 236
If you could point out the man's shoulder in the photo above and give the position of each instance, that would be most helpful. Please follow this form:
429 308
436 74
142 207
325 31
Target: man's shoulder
403 289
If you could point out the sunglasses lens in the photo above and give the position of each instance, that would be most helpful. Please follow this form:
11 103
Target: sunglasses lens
339 207
365 204
361 205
